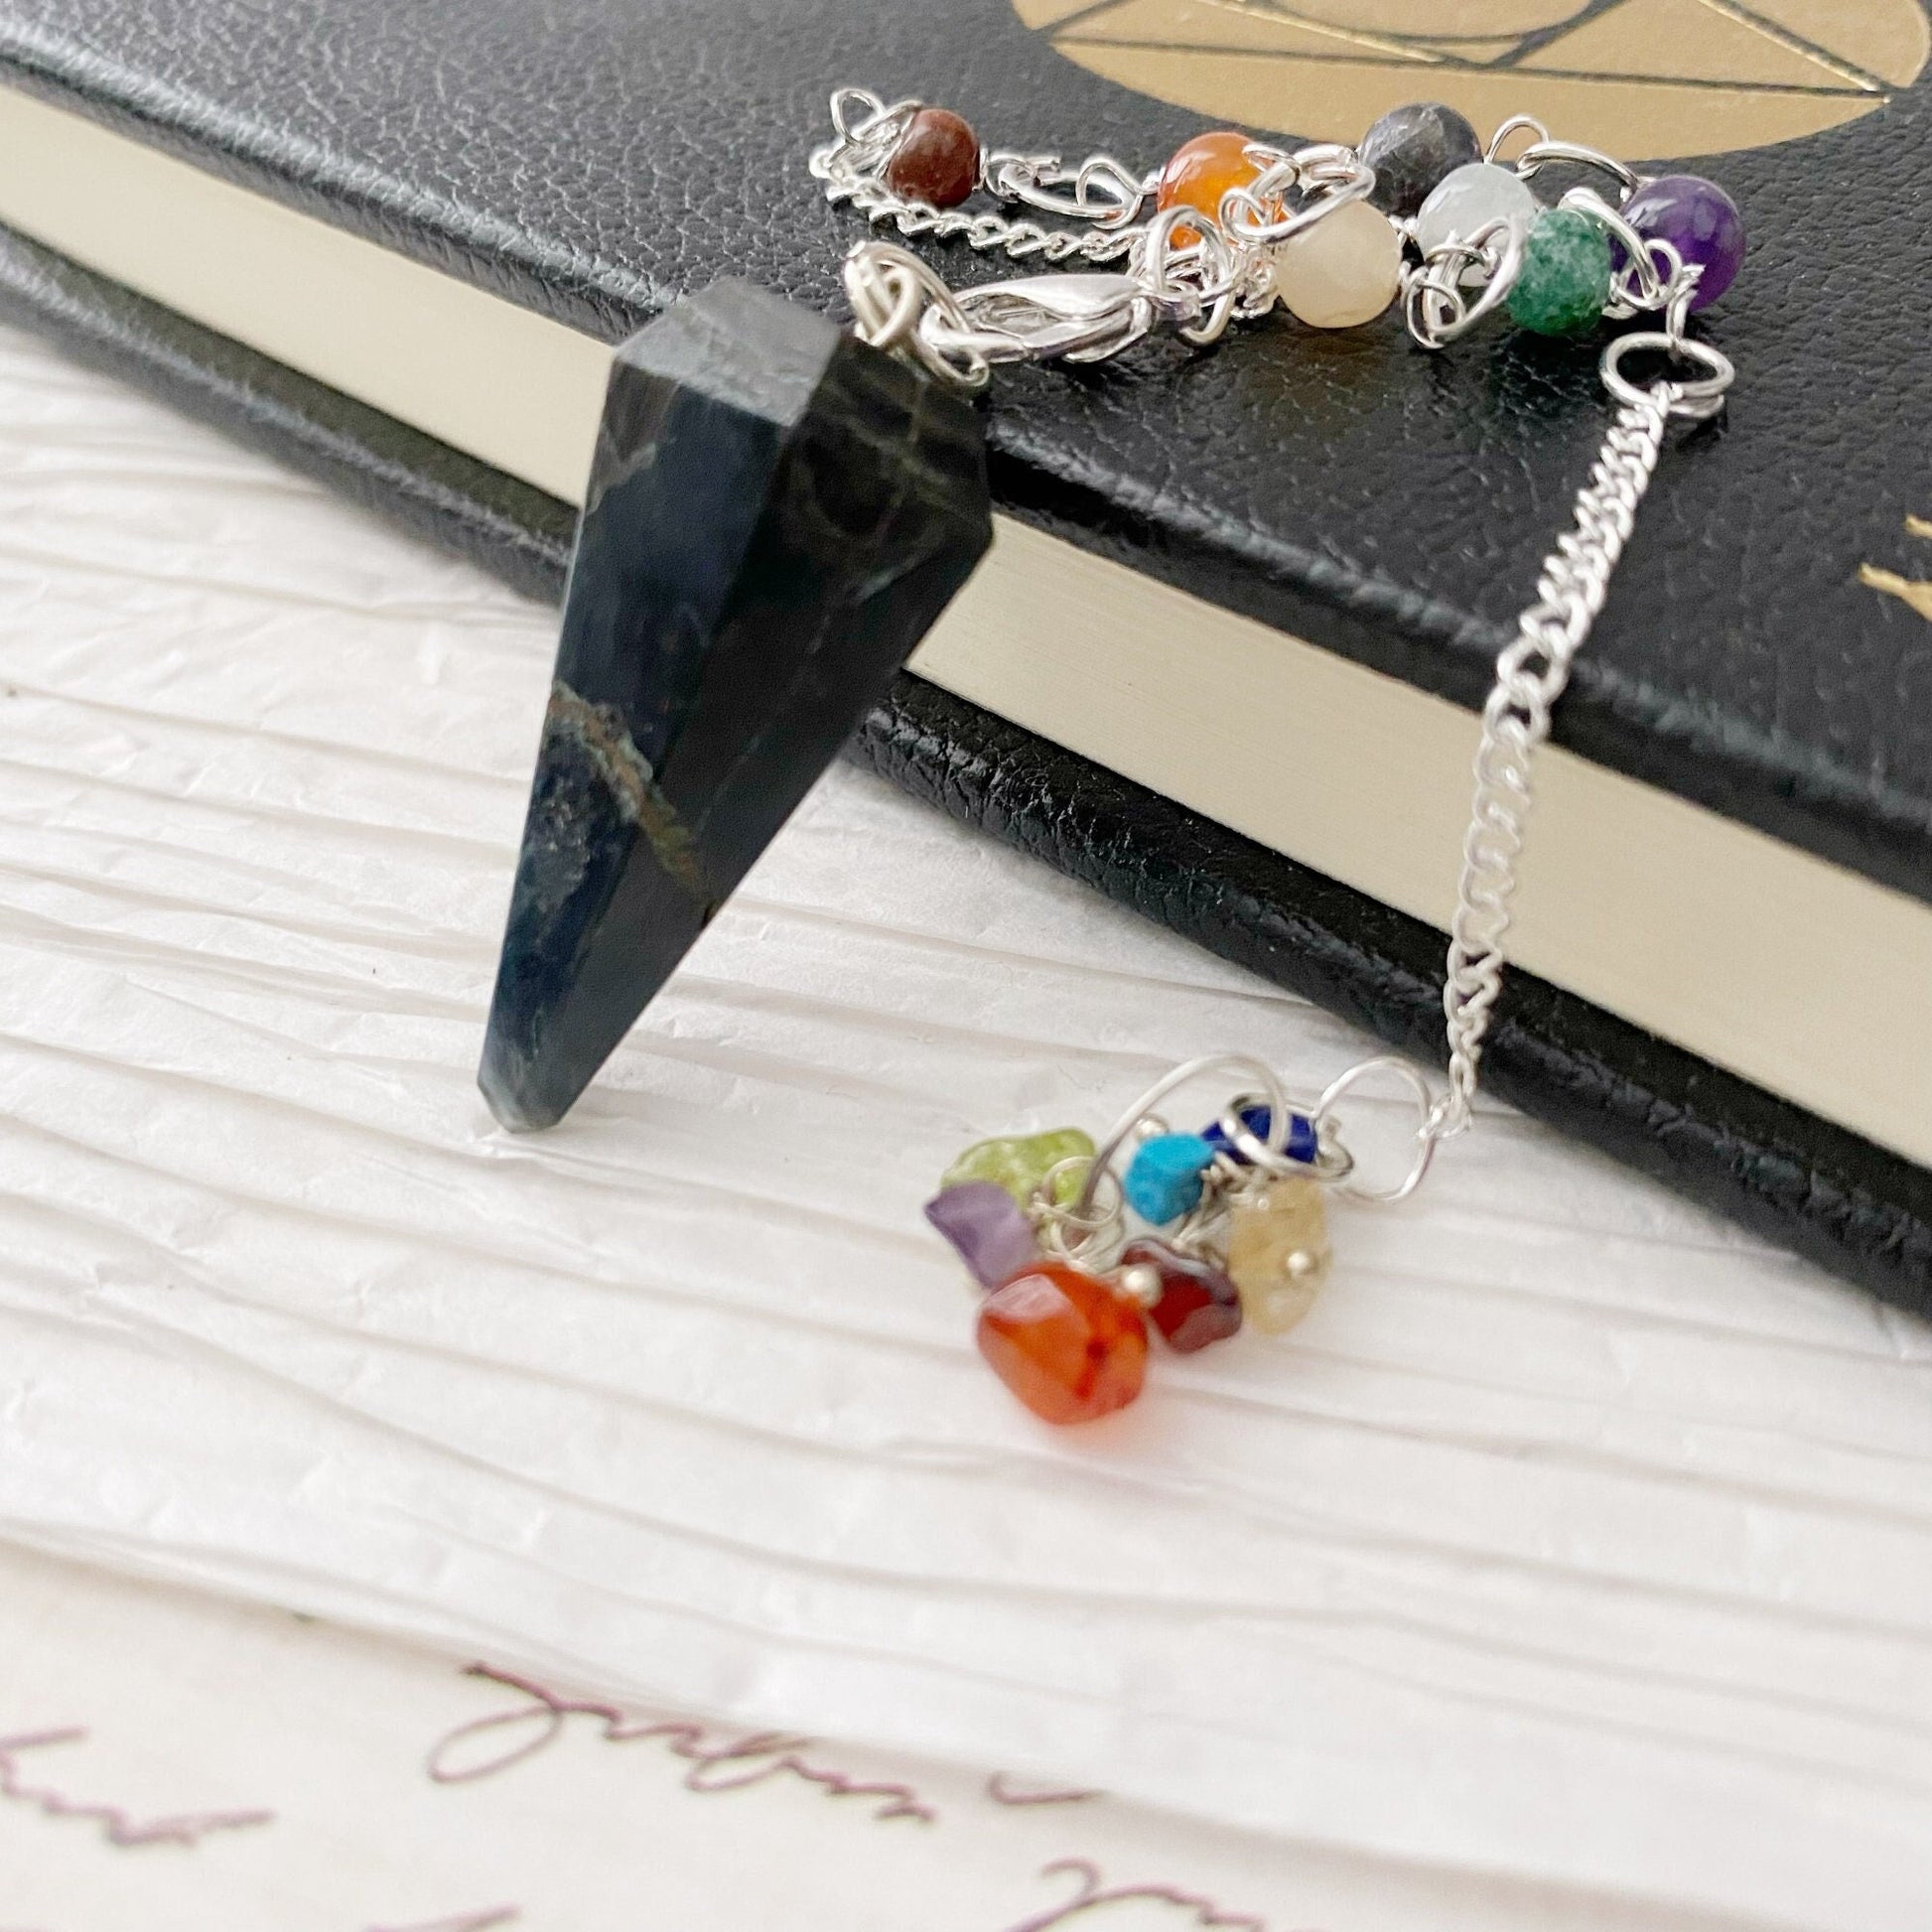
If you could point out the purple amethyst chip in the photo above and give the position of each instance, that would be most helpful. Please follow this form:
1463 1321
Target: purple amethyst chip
994 1238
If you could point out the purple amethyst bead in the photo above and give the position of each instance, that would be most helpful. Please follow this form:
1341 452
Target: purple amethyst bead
982 1221
1700 221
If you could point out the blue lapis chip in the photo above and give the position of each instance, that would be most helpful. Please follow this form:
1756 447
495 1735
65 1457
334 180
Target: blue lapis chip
1301 1143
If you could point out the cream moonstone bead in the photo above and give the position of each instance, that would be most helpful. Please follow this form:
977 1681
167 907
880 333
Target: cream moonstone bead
1467 198
1342 271
1278 1252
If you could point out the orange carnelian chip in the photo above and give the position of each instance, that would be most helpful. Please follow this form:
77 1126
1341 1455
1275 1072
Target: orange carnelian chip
1202 171
1065 1342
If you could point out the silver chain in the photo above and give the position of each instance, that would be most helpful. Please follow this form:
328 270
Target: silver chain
1221 272
1532 671
1531 674
1104 194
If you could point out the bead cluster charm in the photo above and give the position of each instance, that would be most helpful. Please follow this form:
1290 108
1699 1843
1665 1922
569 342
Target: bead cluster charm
1083 1249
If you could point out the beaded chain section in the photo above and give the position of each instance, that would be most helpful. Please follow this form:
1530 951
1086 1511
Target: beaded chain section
1082 1248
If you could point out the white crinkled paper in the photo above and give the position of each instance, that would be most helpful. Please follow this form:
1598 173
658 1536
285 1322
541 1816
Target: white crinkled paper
1575 1537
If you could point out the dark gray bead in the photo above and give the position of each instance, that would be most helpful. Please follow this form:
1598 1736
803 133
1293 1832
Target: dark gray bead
776 513
1410 149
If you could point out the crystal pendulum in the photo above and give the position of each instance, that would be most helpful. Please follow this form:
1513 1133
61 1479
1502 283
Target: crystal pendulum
776 513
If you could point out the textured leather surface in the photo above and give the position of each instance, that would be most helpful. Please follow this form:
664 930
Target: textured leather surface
593 160
1852 1208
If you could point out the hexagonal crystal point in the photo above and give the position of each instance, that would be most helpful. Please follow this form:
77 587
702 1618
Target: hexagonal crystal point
776 513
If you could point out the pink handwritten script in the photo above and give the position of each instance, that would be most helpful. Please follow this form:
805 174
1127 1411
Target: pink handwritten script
117 1826
1093 1894
489 1745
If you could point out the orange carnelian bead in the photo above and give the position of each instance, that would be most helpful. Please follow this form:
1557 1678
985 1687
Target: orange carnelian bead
1202 171
1065 1342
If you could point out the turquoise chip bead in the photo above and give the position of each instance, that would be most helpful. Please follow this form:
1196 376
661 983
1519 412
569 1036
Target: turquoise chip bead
1163 1180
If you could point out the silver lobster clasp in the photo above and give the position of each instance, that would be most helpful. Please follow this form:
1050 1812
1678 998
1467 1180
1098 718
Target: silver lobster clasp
1047 317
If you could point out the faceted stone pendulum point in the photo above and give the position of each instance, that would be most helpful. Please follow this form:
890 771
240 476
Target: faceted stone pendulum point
776 513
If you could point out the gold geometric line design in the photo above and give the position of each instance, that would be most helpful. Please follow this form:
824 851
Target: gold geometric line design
1451 63
1761 71
1705 80
1913 591
1793 43
1391 47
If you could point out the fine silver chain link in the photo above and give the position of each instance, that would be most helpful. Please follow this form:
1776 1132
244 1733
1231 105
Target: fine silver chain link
1533 670
1024 238
1531 674
903 306
865 128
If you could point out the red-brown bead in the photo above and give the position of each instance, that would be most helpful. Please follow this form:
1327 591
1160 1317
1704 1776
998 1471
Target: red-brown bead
1065 1342
937 160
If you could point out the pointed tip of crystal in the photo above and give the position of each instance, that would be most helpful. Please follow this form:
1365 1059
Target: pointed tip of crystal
775 516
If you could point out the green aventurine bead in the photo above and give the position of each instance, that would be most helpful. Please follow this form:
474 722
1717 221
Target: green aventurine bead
1566 274
1019 1164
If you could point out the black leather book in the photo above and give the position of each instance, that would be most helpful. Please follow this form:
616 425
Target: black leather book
1223 660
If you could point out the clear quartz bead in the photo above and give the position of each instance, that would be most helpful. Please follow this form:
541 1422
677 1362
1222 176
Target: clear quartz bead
1278 1252
1466 202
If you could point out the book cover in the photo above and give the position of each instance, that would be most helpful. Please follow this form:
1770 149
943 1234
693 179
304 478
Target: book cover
1760 655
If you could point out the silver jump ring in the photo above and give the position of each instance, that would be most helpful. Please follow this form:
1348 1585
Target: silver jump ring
1696 400
1418 1086
1541 152
1516 125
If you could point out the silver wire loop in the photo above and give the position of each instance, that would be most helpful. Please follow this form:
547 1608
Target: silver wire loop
1099 190
1696 400
1091 1226
1425 1136
1435 295
1047 317
1243 1064
903 307
1516 125
1327 177
1543 151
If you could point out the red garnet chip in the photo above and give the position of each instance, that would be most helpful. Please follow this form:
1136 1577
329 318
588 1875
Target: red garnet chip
1065 1342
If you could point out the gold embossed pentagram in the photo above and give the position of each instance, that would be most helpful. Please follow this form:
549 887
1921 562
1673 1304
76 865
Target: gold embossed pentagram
1651 78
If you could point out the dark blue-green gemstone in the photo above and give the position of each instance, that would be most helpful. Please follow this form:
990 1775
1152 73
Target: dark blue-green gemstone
776 513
